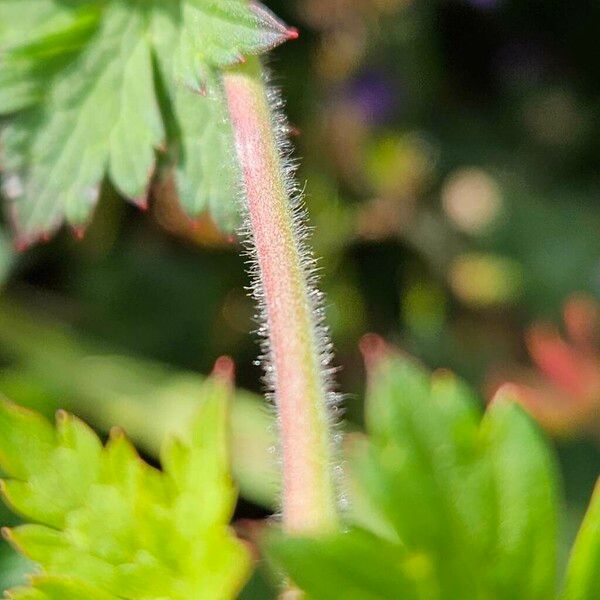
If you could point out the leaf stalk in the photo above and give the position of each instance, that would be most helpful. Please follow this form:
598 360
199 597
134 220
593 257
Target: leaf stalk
296 348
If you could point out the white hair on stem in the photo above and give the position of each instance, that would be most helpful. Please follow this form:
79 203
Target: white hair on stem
262 97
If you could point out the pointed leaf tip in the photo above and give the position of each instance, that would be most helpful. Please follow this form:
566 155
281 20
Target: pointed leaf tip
116 433
6 534
375 350
508 393
78 232
62 416
21 244
142 204
224 370
275 31
293 33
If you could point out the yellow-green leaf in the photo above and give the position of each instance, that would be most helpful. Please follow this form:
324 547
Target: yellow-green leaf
104 524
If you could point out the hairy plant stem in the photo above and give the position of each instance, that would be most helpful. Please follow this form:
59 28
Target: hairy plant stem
295 351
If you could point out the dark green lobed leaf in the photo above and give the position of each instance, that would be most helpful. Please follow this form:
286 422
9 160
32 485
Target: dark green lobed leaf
92 90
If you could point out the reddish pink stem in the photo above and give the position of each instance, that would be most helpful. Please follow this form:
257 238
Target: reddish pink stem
294 352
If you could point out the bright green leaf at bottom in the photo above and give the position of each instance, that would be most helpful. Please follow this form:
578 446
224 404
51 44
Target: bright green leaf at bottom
354 566
459 507
526 504
583 575
104 524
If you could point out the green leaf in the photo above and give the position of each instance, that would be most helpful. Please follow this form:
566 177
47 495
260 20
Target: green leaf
104 524
470 504
26 68
200 139
427 472
84 127
220 33
202 179
147 398
59 588
527 508
583 574
354 566
27 439
22 20
92 89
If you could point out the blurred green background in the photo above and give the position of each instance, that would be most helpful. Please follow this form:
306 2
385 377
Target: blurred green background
450 153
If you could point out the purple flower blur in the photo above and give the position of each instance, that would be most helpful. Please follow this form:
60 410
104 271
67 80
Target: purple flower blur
484 4
375 95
